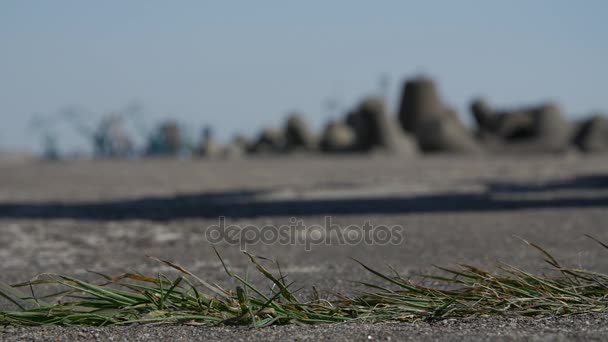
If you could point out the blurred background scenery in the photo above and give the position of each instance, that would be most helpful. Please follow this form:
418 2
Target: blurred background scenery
128 128
148 78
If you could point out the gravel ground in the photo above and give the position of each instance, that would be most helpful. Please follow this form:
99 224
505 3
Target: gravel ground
108 215
586 327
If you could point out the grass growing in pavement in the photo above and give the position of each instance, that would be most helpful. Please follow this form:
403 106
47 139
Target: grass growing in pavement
465 292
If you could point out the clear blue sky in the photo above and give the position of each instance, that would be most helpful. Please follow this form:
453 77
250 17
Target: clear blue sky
243 65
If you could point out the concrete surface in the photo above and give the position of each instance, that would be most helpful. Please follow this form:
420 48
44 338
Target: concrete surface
108 215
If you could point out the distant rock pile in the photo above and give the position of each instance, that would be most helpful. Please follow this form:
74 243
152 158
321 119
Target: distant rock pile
424 124
540 128
435 126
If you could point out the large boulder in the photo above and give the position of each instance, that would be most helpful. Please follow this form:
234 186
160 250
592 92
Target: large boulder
482 114
446 134
374 130
550 128
540 128
419 102
269 141
509 125
592 134
338 137
514 126
297 135
435 127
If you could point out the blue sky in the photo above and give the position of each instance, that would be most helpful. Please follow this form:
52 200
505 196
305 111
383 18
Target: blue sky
243 66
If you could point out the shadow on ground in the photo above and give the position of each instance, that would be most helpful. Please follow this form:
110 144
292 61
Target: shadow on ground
247 204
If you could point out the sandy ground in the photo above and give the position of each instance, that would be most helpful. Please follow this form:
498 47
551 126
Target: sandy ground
108 215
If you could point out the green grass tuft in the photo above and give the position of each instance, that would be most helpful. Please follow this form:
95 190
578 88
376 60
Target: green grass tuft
463 292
